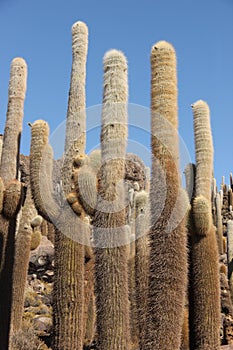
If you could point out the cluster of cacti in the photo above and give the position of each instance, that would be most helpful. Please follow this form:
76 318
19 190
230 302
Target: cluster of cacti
136 267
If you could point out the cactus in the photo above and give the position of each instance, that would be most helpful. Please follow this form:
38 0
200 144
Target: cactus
86 187
185 331
36 221
9 174
22 254
219 224
109 220
12 199
230 254
142 222
167 271
2 189
35 239
68 301
202 215
204 296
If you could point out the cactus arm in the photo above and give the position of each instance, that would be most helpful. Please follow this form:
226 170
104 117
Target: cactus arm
41 159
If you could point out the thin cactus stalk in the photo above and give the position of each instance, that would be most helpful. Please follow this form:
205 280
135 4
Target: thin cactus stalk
12 202
21 261
142 222
185 331
167 271
109 222
134 330
89 305
204 296
230 254
219 224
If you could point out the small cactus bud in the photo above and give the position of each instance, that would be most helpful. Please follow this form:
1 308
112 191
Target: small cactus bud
80 160
35 239
36 221
72 197
77 208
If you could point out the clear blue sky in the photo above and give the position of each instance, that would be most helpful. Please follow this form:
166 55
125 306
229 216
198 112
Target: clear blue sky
200 30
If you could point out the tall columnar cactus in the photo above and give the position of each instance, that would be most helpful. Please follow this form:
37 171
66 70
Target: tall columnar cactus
219 227
204 299
12 194
168 252
21 261
68 301
109 222
230 254
142 222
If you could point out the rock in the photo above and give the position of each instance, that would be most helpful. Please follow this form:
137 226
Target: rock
43 325
41 259
228 329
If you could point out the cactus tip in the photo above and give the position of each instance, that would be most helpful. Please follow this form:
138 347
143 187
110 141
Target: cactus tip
162 45
115 55
79 26
18 61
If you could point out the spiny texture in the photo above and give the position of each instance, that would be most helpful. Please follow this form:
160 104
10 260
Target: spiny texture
230 254
142 222
13 126
168 253
219 225
204 296
21 261
202 215
75 142
12 199
9 174
86 187
203 149
109 221
35 239
69 253
41 167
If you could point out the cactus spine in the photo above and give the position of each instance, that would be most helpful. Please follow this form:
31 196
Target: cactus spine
167 271
204 271
9 174
111 256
